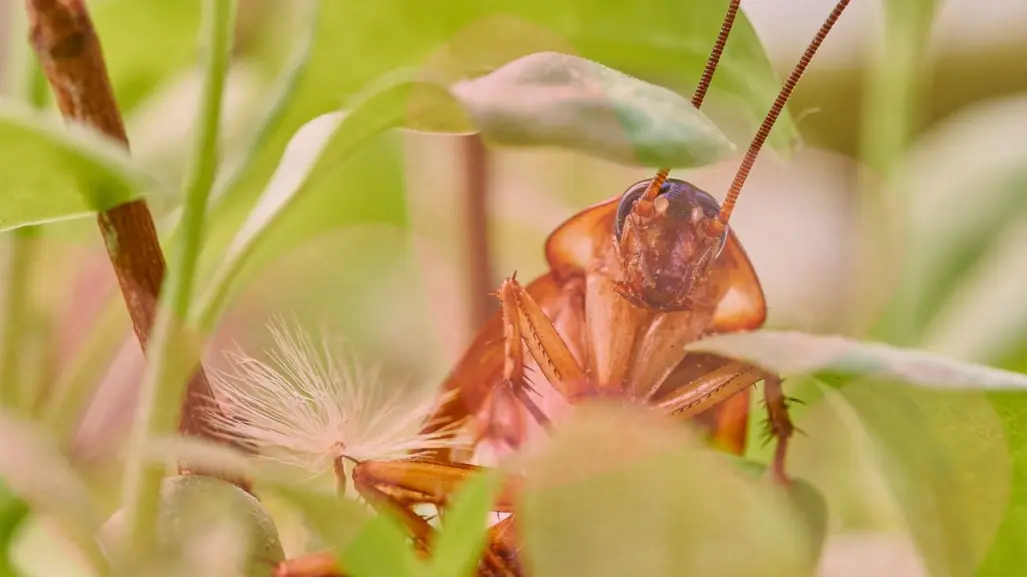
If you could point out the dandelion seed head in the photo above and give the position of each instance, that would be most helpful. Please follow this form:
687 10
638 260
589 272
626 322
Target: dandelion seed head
312 403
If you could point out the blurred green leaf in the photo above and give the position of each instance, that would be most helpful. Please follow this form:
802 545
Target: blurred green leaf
464 535
837 359
553 99
315 151
145 43
195 510
624 493
894 459
33 466
963 184
13 511
49 172
1009 545
366 545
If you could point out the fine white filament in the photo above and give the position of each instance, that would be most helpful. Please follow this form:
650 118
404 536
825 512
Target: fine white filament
313 404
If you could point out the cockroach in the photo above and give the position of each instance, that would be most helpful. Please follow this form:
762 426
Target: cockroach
632 280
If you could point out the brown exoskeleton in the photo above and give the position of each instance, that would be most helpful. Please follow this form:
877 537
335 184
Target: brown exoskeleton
632 281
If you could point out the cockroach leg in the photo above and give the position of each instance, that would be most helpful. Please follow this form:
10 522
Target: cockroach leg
385 501
398 486
731 422
709 389
419 481
320 564
544 342
779 424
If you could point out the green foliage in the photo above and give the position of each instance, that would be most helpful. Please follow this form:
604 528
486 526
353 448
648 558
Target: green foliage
13 511
839 360
549 99
194 508
165 33
366 545
463 537
49 172
621 492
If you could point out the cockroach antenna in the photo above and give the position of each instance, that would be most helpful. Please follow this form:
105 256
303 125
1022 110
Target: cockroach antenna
704 85
720 223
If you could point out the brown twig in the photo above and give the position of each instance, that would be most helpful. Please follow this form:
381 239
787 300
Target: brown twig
64 40
479 265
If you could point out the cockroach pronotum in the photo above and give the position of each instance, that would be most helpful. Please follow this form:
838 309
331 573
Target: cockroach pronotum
632 280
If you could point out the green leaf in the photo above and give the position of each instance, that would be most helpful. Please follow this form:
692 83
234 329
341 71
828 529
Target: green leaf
464 534
929 466
145 43
195 510
33 467
553 99
366 545
1009 544
318 149
13 511
621 492
49 172
962 184
967 216
837 359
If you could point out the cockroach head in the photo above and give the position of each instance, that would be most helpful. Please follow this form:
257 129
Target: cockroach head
668 244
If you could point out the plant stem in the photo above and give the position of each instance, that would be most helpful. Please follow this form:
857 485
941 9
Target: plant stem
479 270
27 82
175 350
64 40
72 390
15 393
18 271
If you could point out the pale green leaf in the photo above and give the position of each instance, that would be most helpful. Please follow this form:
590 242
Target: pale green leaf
365 544
32 465
463 537
625 493
553 99
49 172
791 354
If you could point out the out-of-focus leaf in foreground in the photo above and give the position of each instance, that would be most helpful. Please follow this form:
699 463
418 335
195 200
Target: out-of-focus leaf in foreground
837 359
366 544
207 527
13 511
912 464
626 493
33 467
462 541
50 172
